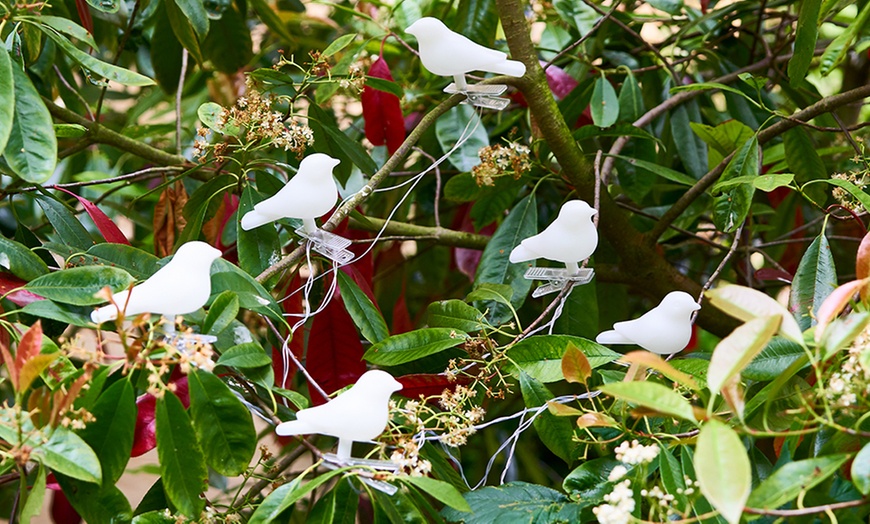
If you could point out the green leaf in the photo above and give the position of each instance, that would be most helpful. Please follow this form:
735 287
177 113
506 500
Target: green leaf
722 139
814 280
731 208
7 103
861 470
618 129
140 264
578 14
194 11
773 360
244 356
691 150
651 395
183 28
791 479
252 295
588 481
495 266
540 356
258 248
103 69
271 19
604 105
287 495
736 350
33 504
838 49
228 45
338 44
413 345
66 452
803 160
20 260
221 313
94 503
662 171
744 303
516 503
74 315
840 333
631 105
68 27
342 145
364 313
65 224
78 285
672 476
154 517
439 490
182 466
222 423
476 19
555 432
853 190
723 469
455 314
385 85
461 133
111 434
210 114
30 151
69 130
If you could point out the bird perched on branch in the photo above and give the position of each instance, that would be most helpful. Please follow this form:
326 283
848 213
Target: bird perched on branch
359 414
447 53
569 239
311 193
180 287
664 329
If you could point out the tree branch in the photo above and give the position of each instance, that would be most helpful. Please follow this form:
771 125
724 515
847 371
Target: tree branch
440 235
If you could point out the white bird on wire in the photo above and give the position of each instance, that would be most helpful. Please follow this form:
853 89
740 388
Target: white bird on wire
447 53
664 329
569 239
311 193
359 414
180 287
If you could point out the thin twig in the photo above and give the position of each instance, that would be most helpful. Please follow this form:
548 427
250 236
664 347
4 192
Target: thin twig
184 55
121 45
74 91
121 178
285 349
583 38
436 204
807 511
709 283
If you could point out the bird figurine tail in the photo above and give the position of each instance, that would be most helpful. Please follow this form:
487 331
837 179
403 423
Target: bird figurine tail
612 337
104 314
293 427
521 254
253 219
509 67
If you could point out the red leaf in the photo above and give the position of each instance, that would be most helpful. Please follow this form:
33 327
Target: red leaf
769 273
85 15
51 482
382 111
334 356
428 385
291 305
62 511
107 228
704 5
19 297
467 259
560 82
145 434
29 346
402 322
363 269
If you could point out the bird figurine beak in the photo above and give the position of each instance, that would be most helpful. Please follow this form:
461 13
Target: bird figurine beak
697 307
410 29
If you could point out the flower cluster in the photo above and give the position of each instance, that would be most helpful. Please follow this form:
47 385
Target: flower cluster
635 453
356 78
619 505
848 388
845 198
407 456
498 160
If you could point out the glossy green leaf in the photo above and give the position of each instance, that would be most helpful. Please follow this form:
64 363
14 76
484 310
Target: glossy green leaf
588 481
744 303
731 208
814 280
20 261
840 333
111 434
362 310
94 503
221 313
73 315
338 44
69 130
413 345
440 491
455 314
97 66
765 183
228 45
838 49
580 312
69 28
516 503
803 160
723 469
252 295
787 482
258 248
722 139
857 192
691 149
7 103
271 19
65 224
212 116
476 19
653 396
495 266
30 151
540 356
604 105
140 264
460 132
555 432
287 495
66 452
195 12
33 503
578 14
631 106
154 517
222 423
774 359
244 356
861 470
662 171
182 465
672 476
183 28
736 350
342 145
78 285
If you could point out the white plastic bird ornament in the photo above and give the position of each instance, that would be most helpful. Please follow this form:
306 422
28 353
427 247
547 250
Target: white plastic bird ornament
447 53
664 329
180 287
359 414
569 239
311 193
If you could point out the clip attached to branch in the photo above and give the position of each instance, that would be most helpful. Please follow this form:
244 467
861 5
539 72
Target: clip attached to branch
477 95
557 278
333 461
332 246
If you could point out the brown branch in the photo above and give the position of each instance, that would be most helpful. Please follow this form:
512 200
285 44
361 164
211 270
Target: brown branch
807 511
443 236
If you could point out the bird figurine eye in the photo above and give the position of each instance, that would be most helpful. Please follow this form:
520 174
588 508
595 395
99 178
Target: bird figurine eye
447 53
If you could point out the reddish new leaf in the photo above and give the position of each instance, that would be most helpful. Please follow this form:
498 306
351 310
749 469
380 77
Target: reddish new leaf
107 228
292 305
467 259
62 511
85 15
428 385
770 273
334 356
401 317
382 111
29 346
145 434
560 82
363 269
862 262
11 289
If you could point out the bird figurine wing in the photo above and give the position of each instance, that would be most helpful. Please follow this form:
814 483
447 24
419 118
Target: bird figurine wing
474 56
